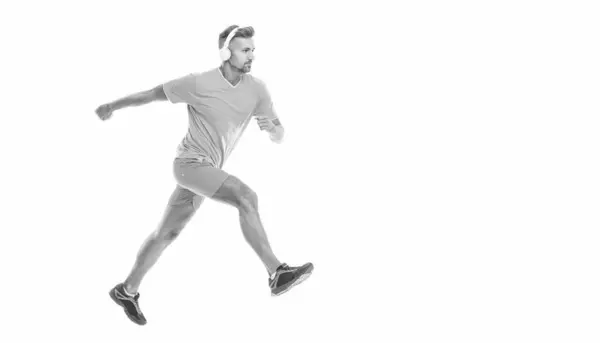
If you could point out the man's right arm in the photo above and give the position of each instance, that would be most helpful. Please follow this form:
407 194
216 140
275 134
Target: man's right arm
138 99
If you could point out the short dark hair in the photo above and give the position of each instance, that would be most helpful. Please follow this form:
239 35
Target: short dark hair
245 32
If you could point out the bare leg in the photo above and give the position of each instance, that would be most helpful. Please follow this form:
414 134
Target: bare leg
175 218
234 192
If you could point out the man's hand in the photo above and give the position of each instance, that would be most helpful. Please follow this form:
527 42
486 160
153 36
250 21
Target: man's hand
104 112
273 127
265 123
157 93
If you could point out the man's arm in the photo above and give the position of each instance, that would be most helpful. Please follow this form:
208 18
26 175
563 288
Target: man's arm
137 99
272 126
266 115
277 132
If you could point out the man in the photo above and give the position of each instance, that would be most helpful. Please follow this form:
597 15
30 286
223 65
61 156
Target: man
220 104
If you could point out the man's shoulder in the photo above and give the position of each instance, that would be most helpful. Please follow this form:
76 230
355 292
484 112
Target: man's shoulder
255 79
205 73
202 79
256 83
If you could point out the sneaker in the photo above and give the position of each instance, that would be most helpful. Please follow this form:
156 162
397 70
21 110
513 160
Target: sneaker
286 277
129 303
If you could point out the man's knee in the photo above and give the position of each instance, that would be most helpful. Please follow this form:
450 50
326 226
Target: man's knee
248 199
238 194
170 234
175 221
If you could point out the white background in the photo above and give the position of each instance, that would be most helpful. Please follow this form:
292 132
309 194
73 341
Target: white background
440 170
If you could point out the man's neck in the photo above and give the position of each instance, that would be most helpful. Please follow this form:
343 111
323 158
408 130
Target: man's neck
230 74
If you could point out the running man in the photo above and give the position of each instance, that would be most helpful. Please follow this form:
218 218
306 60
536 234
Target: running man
221 102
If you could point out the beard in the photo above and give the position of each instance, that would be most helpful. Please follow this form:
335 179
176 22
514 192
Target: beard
246 68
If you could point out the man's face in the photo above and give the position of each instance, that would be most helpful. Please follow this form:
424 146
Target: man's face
242 54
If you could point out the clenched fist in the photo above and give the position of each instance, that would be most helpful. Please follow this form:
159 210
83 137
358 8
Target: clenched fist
104 112
265 123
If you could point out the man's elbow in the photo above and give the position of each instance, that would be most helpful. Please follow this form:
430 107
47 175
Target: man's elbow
157 94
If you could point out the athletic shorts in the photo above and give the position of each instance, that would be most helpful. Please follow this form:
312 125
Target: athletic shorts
198 176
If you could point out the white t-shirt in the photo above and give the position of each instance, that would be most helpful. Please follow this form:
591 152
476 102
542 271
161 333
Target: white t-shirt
218 112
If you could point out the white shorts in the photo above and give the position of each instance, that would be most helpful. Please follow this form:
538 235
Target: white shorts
198 176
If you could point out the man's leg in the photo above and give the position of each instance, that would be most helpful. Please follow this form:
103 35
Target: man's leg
214 183
237 194
281 276
180 209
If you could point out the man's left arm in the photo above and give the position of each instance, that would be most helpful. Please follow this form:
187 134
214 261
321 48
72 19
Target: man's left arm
267 117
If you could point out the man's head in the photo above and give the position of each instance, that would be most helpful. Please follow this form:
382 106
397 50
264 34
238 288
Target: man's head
241 47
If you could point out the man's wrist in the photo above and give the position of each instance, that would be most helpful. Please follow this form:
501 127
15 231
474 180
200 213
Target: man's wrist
276 130
276 133
115 105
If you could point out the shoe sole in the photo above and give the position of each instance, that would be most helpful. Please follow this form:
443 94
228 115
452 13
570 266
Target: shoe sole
298 281
118 302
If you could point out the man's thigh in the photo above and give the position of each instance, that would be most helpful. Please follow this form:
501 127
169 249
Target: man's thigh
181 207
203 178
183 197
236 193
199 177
